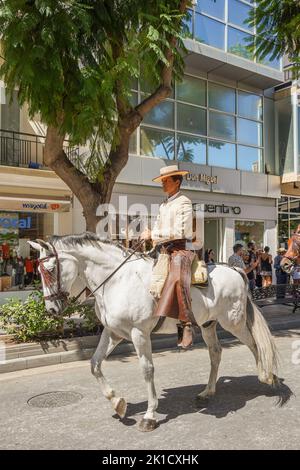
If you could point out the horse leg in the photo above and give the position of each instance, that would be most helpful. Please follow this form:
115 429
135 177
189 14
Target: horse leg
210 337
142 344
107 343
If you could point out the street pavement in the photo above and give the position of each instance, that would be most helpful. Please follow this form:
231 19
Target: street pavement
244 414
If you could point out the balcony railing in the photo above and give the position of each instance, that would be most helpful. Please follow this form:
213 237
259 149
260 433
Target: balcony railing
27 150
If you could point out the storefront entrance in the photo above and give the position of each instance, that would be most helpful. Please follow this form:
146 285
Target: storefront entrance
213 237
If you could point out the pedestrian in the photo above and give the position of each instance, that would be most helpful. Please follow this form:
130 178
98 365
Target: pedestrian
236 260
266 267
29 270
19 270
281 276
209 256
251 264
296 272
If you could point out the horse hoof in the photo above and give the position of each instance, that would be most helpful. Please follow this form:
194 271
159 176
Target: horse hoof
121 407
204 396
147 425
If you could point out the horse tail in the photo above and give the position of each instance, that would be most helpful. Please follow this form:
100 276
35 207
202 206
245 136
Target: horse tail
268 359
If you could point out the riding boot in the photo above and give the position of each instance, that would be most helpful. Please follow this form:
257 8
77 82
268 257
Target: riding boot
185 335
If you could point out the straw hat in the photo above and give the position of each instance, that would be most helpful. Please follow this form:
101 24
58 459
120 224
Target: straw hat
169 170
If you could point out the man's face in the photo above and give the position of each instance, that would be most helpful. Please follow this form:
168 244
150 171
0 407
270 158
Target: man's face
169 185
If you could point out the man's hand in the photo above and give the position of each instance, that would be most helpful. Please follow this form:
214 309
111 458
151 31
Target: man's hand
146 234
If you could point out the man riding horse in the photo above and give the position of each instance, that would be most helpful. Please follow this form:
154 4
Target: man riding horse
173 230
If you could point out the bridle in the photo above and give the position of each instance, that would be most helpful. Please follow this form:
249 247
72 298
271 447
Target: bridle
48 277
62 295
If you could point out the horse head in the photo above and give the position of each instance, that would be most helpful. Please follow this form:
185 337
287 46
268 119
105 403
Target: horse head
58 270
289 259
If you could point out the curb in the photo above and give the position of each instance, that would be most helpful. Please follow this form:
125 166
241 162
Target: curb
31 355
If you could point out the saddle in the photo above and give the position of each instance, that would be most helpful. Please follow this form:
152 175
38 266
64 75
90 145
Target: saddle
161 270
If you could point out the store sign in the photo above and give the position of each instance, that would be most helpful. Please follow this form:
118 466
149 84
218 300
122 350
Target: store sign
12 204
44 206
202 178
218 208
14 223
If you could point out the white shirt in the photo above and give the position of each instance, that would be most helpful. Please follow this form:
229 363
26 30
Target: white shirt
175 219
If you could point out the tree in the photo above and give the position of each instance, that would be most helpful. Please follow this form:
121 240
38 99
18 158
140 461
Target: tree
278 29
73 62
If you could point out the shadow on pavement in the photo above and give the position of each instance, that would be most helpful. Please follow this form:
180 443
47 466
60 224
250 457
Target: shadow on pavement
232 394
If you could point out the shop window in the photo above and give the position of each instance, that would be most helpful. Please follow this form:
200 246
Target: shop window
191 119
221 126
18 262
249 105
221 154
156 143
192 90
249 231
191 149
209 31
221 98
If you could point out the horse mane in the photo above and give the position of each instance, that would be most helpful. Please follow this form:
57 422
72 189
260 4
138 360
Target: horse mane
91 238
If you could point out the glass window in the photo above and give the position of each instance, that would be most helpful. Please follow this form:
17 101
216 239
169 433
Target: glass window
191 119
209 31
155 143
133 99
249 132
221 154
238 13
238 42
133 143
249 231
295 205
212 7
222 126
221 98
249 105
161 115
249 158
191 149
188 25
192 90
275 63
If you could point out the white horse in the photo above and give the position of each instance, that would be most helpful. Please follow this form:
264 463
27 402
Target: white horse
125 308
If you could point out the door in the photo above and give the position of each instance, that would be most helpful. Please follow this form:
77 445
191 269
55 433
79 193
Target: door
212 237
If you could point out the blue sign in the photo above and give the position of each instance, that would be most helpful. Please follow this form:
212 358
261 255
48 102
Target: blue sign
15 223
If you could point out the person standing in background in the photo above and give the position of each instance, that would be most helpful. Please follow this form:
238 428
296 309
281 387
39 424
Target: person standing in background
29 270
19 270
266 267
209 256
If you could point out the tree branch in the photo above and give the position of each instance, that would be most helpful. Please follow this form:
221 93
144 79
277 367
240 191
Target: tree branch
136 116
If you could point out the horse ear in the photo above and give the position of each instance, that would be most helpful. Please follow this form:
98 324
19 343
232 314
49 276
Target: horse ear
35 245
44 244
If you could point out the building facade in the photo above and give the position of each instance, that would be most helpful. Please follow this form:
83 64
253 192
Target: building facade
225 123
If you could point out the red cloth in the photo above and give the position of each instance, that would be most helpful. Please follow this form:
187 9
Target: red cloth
5 250
29 265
